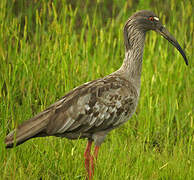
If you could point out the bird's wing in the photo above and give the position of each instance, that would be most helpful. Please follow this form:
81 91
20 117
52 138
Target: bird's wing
95 106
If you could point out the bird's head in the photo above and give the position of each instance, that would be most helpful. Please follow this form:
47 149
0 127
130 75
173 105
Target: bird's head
146 20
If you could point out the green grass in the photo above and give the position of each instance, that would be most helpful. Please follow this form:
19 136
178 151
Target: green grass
47 48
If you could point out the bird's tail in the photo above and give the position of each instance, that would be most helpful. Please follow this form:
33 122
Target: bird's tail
34 127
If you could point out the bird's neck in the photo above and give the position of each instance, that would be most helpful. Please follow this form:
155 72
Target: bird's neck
132 64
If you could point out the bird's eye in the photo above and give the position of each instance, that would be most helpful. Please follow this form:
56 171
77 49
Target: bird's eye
151 18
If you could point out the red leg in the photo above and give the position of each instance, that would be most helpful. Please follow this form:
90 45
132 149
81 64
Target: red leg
87 156
94 159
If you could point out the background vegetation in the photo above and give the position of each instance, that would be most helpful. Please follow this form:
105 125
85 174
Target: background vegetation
49 47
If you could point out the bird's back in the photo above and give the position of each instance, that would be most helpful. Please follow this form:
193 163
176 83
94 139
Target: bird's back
96 106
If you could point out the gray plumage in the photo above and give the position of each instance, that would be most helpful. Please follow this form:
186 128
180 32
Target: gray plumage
95 108
89 111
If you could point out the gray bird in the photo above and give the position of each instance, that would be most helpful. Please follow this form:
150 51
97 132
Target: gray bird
95 108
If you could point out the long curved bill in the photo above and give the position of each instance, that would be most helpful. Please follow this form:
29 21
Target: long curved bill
164 32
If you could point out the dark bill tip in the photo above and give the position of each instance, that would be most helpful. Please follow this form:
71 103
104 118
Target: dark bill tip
182 53
164 32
